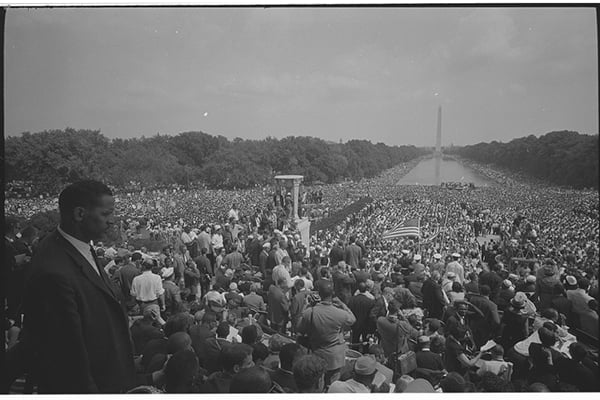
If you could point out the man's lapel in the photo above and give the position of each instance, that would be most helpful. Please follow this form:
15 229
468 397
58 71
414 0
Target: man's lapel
85 266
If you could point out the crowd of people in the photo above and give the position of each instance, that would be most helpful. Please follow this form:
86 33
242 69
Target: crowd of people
499 293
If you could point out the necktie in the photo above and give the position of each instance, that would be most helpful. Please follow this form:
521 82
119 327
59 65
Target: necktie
95 259
99 267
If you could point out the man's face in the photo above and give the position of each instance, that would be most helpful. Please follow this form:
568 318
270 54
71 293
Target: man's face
462 310
98 219
389 296
247 363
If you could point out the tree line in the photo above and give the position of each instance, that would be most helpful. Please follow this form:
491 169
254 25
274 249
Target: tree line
563 158
53 158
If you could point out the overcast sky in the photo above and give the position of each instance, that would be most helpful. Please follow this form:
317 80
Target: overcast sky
334 73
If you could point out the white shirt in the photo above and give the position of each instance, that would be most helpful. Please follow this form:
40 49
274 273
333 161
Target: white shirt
147 286
233 213
82 247
217 241
185 238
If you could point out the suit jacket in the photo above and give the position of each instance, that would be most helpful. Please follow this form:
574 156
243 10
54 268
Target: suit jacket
361 306
484 328
433 298
353 254
336 254
278 305
77 330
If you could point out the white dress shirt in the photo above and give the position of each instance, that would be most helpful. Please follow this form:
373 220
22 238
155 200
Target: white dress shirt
82 247
147 286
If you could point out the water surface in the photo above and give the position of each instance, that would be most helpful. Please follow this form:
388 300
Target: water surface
433 171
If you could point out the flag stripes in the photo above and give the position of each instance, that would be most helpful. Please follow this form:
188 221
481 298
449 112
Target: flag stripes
407 228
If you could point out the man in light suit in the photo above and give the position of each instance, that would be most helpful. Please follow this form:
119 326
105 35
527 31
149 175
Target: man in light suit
75 328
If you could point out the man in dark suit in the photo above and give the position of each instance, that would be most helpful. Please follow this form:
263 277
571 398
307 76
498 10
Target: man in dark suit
353 253
433 296
484 328
361 305
76 329
337 253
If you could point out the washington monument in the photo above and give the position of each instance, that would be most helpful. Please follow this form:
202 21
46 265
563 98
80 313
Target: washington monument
438 142
438 147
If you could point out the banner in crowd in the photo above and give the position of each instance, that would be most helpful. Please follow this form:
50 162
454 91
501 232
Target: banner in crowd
407 228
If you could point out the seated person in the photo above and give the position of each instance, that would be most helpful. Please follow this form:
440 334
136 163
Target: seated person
365 369
147 328
283 375
496 365
458 357
252 380
233 359
544 359
182 373
309 374
579 370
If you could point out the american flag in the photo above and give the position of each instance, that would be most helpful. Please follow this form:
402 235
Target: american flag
407 228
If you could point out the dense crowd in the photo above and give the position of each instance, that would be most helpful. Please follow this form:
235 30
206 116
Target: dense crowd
500 292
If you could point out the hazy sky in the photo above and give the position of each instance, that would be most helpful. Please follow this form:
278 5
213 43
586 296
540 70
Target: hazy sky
335 73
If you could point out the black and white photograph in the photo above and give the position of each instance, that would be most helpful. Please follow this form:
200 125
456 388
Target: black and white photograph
309 198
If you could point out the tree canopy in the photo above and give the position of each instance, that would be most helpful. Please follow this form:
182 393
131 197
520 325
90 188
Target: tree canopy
563 158
52 159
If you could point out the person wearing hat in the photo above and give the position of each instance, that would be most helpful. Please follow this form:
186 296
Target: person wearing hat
417 267
172 292
455 267
233 297
437 264
507 292
448 281
364 371
147 288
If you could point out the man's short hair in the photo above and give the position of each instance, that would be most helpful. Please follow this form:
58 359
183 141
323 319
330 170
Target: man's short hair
233 355
394 307
223 329
308 370
577 351
178 341
583 283
288 353
135 257
85 194
181 368
362 287
453 383
326 290
251 380
249 334
547 337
